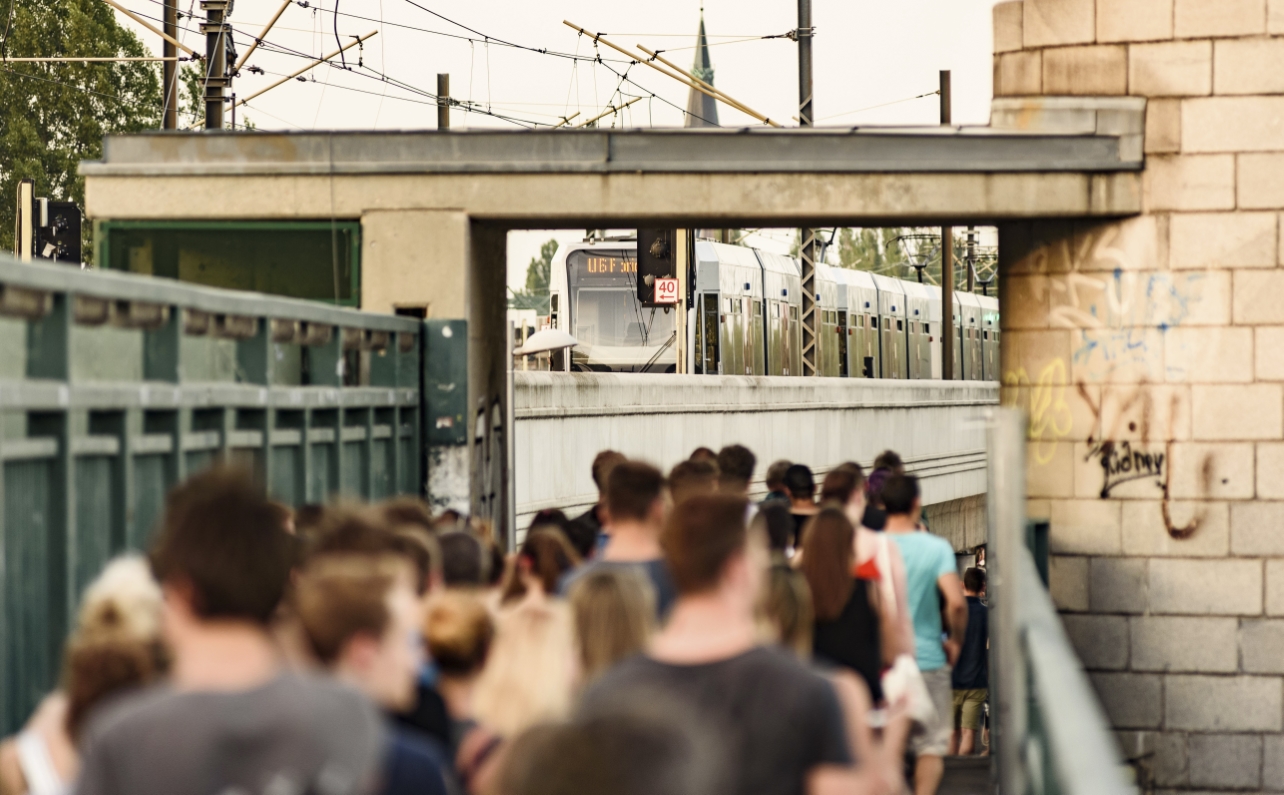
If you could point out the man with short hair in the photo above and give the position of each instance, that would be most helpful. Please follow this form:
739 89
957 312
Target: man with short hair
635 504
229 719
971 676
361 616
800 485
594 519
781 725
775 481
930 570
735 469
690 478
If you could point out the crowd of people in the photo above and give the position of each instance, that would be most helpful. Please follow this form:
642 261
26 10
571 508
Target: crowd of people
678 637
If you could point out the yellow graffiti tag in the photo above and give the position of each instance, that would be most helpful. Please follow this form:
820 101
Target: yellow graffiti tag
1050 417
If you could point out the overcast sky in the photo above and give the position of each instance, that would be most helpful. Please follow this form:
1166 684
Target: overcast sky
871 57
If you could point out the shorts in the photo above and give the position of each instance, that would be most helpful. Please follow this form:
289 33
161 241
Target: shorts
969 705
934 740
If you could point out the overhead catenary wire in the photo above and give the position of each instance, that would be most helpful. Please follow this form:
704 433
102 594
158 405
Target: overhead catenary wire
720 94
609 110
94 59
684 80
312 65
882 105
259 38
151 27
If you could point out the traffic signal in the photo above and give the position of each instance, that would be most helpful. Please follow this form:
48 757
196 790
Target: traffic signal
46 229
657 259
57 234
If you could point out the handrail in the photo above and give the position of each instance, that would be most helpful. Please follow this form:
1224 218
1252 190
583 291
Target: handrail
1051 733
149 289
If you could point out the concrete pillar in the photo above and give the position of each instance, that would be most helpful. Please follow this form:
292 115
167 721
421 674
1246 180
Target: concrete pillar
489 355
414 259
1146 352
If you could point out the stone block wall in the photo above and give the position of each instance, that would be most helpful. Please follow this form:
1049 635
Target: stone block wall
1149 354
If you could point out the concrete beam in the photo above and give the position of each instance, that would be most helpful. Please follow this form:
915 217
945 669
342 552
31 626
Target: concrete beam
541 201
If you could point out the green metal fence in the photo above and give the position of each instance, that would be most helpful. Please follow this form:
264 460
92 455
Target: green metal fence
114 387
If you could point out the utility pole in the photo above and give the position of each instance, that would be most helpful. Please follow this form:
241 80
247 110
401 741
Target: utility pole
443 101
217 79
169 120
807 251
948 340
971 259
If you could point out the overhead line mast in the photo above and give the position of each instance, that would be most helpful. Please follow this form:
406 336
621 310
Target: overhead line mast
807 251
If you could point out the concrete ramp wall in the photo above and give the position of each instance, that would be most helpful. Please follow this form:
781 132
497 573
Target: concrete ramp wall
563 420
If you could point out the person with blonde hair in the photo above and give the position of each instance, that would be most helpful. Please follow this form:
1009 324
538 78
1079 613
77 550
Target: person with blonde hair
614 617
115 646
529 678
458 630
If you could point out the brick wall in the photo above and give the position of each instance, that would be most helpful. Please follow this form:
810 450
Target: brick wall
1150 355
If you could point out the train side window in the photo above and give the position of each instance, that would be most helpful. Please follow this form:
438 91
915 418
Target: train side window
899 325
757 308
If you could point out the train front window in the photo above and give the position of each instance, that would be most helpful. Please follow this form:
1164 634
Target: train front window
615 318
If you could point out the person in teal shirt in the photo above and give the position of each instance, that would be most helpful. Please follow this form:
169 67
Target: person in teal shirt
929 570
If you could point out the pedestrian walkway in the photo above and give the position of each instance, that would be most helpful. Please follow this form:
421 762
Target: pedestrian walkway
967 775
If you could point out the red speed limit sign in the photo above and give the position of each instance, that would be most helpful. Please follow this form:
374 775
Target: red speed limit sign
666 291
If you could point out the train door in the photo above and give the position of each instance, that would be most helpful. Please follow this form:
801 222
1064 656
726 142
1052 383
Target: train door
958 339
971 311
844 345
872 358
732 338
793 334
989 337
756 336
707 334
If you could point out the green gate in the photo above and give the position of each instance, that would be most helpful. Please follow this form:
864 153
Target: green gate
114 387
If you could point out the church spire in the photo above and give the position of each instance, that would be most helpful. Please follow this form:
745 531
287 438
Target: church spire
702 110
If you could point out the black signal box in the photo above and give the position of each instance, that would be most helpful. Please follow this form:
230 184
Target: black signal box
57 232
657 259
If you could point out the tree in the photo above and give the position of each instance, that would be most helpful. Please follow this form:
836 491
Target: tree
54 115
535 295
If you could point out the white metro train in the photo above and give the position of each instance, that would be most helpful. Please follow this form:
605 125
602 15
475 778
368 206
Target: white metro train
745 318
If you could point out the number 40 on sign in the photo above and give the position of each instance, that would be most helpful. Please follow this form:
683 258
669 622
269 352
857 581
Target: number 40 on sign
666 291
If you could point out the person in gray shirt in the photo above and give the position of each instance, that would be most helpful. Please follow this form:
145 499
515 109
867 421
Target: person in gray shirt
231 719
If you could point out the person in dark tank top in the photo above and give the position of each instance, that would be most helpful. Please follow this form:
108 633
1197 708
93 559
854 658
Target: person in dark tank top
846 629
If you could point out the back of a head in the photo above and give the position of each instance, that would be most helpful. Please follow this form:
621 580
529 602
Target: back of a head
339 597
775 477
641 751
546 554
458 631
800 482
841 483
690 478
827 548
785 607
221 538
603 463
701 536
583 537
890 460
124 599
704 454
614 616
465 561
898 494
632 490
974 579
774 520
529 673
735 466
407 511
351 530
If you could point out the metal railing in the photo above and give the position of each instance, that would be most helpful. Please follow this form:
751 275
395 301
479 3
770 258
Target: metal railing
1051 734
114 387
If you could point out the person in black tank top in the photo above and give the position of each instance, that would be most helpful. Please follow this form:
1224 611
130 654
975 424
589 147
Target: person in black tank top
846 631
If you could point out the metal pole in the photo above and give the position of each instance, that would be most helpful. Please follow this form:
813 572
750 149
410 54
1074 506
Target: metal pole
971 259
681 263
169 119
1006 511
807 250
948 338
216 76
443 101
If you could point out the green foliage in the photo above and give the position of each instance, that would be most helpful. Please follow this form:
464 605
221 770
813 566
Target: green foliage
535 296
54 115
